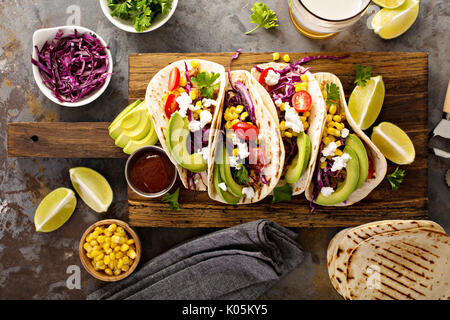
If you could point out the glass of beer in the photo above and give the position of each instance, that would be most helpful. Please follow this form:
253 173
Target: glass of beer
320 19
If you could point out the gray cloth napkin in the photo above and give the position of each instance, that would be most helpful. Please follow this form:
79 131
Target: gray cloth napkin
241 262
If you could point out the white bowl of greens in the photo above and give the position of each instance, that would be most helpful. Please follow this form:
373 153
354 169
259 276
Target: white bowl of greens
138 16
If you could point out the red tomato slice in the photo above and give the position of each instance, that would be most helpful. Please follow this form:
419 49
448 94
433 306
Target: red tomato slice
257 159
245 130
371 168
174 79
171 104
262 77
301 101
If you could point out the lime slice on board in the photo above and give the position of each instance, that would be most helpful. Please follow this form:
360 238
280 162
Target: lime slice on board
389 4
393 143
54 210
391 23
92 188
365 102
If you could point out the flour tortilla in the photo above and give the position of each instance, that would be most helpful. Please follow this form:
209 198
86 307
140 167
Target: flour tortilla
344 242
379 161
157 88
317 121
408 265
268 126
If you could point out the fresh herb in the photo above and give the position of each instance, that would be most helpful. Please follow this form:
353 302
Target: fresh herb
140 12
240 175
262 16
281 194
396 178
205 81
333 95
172 199
362 75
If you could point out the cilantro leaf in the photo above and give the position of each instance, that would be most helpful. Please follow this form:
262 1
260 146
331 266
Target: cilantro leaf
362 75
396 178
119 10
240 175
172 199
333 94
281 194
205 82
262 16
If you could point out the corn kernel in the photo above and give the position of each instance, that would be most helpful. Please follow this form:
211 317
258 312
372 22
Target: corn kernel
235 121
329 118
120 263
106 260
193 94
244 116
234 116
124 247
235 152
303 118
119 255
89 237
239 108
99 257
116 272
183 81
286 58
282 106
131 254
116 248
334 132
89 255
338 143
294 133
276 56
288 134
125 268
130 241
331 124
337 118
304 77
332 138
307 114
228 116
338 152
323 165
126 260
115 240
108 271
87 247
326 141
305 125
332 109
283 125
195 63
94 253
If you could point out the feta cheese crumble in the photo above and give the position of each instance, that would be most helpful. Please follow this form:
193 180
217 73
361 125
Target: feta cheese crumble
204 152
194 125
326 191
278 102
340 162
223 186
330 149
208 102
248 192
345 132
234 161
292 119
184 103
272 78
205 117
243 150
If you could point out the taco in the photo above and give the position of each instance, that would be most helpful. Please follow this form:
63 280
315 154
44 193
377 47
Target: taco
184 100
247 151
300 108
349 166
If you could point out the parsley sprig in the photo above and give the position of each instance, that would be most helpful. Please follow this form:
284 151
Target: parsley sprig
281 194
262 16
333 95
172 200
396 178
240 175
206 83
362 75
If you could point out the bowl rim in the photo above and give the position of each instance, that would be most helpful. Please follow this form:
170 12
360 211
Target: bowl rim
119 23
50 32
97 274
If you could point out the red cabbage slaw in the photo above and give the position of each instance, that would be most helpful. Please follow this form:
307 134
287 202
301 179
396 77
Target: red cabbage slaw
73 66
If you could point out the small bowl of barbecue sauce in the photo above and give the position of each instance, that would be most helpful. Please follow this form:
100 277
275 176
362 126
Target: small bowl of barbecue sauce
149 172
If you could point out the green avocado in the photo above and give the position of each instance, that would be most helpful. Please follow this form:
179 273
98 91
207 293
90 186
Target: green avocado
135 126
225 174
225 195
177 135
149 140
356 144
300 162
346 187
115 128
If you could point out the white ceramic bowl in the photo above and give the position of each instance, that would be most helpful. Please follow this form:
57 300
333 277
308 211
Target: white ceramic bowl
40 37
126 25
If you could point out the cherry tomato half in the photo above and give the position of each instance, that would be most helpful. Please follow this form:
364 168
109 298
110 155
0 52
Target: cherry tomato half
301 101
174 79
257 159
371 168
171 104
262 77
245 130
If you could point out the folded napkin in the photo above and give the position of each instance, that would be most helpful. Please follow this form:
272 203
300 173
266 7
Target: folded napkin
241 262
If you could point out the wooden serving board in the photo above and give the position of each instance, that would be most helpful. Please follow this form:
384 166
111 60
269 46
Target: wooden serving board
406 80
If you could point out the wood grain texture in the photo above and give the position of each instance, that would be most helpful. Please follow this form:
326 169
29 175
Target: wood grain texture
406 79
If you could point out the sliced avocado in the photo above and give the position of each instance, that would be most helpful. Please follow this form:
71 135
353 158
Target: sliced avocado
300 162
114 128
149 140
140 124
177 133
358 146
346 187
225 173
225 195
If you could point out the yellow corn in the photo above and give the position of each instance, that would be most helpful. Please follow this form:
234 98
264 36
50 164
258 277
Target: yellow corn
89 237
125 268
332 109
116 272
299 86
234 115
294 133
307 114
124 247
228 125
193 94
87 247
195 63
326 141
282 106
338 152
323 165
239 108
303 118
276 56
234 122
337 118
244 116
288 134
304 77
119 255
228 116
235 152
183 81
106 260
120 263
283 125
331 124
338 143
286 58
131 254
115 239
126 260
99 257
112 227
108 271
340 126
329 118
305 125
334 132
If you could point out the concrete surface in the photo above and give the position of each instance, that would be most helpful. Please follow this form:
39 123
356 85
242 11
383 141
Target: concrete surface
33 265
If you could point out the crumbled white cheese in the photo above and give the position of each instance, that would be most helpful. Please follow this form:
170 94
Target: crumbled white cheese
223 186
323 159
248 192
345 132
340 162
208 102
243 150
272 78
233 161
278 102
184 103
235 139
330 149
194 125
326 191
204 152
292 119
205 117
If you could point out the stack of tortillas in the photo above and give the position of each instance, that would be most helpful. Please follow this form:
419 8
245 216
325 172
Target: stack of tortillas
392 259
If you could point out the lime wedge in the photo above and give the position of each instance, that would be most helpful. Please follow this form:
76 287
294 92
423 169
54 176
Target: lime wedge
365 102
389 4
54 210
92 188
391 23
393 143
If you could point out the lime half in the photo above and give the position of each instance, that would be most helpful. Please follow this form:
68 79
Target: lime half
54 210
391 23
92 188
389 4
393 143
365 102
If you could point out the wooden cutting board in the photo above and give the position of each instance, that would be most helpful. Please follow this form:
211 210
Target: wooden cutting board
406 80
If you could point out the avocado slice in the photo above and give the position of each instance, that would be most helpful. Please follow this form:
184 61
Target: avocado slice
358 146
114 128
135 126
225 195
225 174
300 162
345 188
177 134
149 140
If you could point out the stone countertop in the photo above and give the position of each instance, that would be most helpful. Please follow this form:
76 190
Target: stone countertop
34 265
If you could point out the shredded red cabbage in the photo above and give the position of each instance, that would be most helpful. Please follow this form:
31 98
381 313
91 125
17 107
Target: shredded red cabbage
73 66
233 57
242 90
188 79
